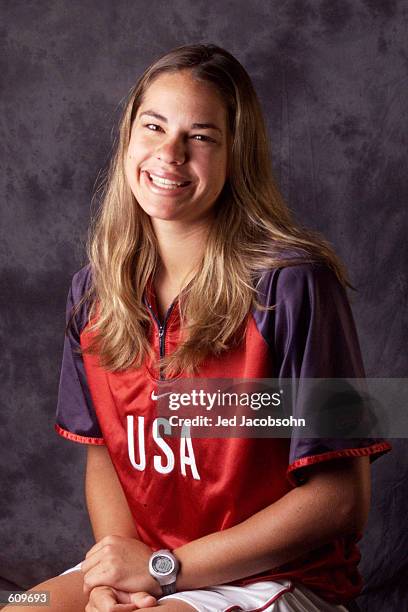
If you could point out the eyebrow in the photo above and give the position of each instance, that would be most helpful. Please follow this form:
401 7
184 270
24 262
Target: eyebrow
194 126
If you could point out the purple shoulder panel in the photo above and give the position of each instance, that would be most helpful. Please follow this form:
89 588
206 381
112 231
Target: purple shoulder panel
81 283
75 411
266 296
311 335
311 330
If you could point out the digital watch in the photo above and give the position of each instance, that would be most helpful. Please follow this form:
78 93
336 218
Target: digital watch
164 567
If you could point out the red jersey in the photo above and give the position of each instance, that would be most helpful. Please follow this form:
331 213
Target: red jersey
180 489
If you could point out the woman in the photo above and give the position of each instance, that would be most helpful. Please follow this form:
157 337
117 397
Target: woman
197 269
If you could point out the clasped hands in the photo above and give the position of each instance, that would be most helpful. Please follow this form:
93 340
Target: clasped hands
116 576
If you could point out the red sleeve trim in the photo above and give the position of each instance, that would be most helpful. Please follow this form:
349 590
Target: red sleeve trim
374 449
76 438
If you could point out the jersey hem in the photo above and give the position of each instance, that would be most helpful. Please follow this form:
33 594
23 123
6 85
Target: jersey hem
266 605
329 596
379 448
77 438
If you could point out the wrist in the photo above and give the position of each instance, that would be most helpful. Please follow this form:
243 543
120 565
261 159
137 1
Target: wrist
183 581
164 568
153 587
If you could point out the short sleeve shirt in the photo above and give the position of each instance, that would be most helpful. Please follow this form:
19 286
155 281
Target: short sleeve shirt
310 333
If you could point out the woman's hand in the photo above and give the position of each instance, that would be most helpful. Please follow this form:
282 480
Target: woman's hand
107 599
121 563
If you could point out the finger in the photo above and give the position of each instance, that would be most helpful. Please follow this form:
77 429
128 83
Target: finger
94 549
122 596
110 539
99 551
143 600
97 577
90 562
102 599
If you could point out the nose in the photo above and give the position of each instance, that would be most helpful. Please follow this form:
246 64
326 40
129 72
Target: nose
172 151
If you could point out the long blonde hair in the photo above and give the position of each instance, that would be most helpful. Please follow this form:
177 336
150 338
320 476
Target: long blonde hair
252 231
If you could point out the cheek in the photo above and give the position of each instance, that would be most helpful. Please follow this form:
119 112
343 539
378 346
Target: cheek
134 156
219 171
138 150
131 156
216 177
213 166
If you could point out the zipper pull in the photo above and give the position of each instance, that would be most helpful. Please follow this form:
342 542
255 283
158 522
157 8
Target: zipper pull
161 330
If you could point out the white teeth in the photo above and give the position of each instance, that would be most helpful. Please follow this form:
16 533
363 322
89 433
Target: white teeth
166 183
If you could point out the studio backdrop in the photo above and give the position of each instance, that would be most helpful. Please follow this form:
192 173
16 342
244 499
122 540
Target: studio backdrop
332 80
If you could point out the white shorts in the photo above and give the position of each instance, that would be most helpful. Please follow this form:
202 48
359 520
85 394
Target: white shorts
263 596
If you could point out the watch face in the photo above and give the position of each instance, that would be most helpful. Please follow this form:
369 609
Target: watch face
162 564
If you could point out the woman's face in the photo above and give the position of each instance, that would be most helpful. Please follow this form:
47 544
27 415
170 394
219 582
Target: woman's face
177 157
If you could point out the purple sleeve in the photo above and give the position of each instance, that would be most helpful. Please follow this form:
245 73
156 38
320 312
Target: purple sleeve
76 419
312 335
315 335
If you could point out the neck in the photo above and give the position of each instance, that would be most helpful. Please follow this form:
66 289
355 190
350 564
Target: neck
181 249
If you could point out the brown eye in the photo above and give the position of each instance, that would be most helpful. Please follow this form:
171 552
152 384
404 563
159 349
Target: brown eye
152 127
202 138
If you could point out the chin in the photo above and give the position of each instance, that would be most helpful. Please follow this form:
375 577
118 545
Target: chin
160 212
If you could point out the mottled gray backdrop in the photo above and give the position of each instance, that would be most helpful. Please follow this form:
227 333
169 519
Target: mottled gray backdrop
332 78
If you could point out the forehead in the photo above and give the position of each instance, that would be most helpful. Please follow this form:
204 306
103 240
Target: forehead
179 92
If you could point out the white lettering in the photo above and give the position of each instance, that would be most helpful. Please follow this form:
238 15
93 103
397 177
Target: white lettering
189 459
131 442
157 459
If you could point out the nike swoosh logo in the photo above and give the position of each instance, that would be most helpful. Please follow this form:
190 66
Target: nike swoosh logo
156 397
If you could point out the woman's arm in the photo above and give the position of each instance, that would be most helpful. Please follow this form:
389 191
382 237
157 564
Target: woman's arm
333 502
107 505
110 516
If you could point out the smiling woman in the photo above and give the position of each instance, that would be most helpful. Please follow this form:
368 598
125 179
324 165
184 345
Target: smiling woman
177 166
197 268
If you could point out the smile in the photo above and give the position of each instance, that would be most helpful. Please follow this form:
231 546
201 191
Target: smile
166 183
